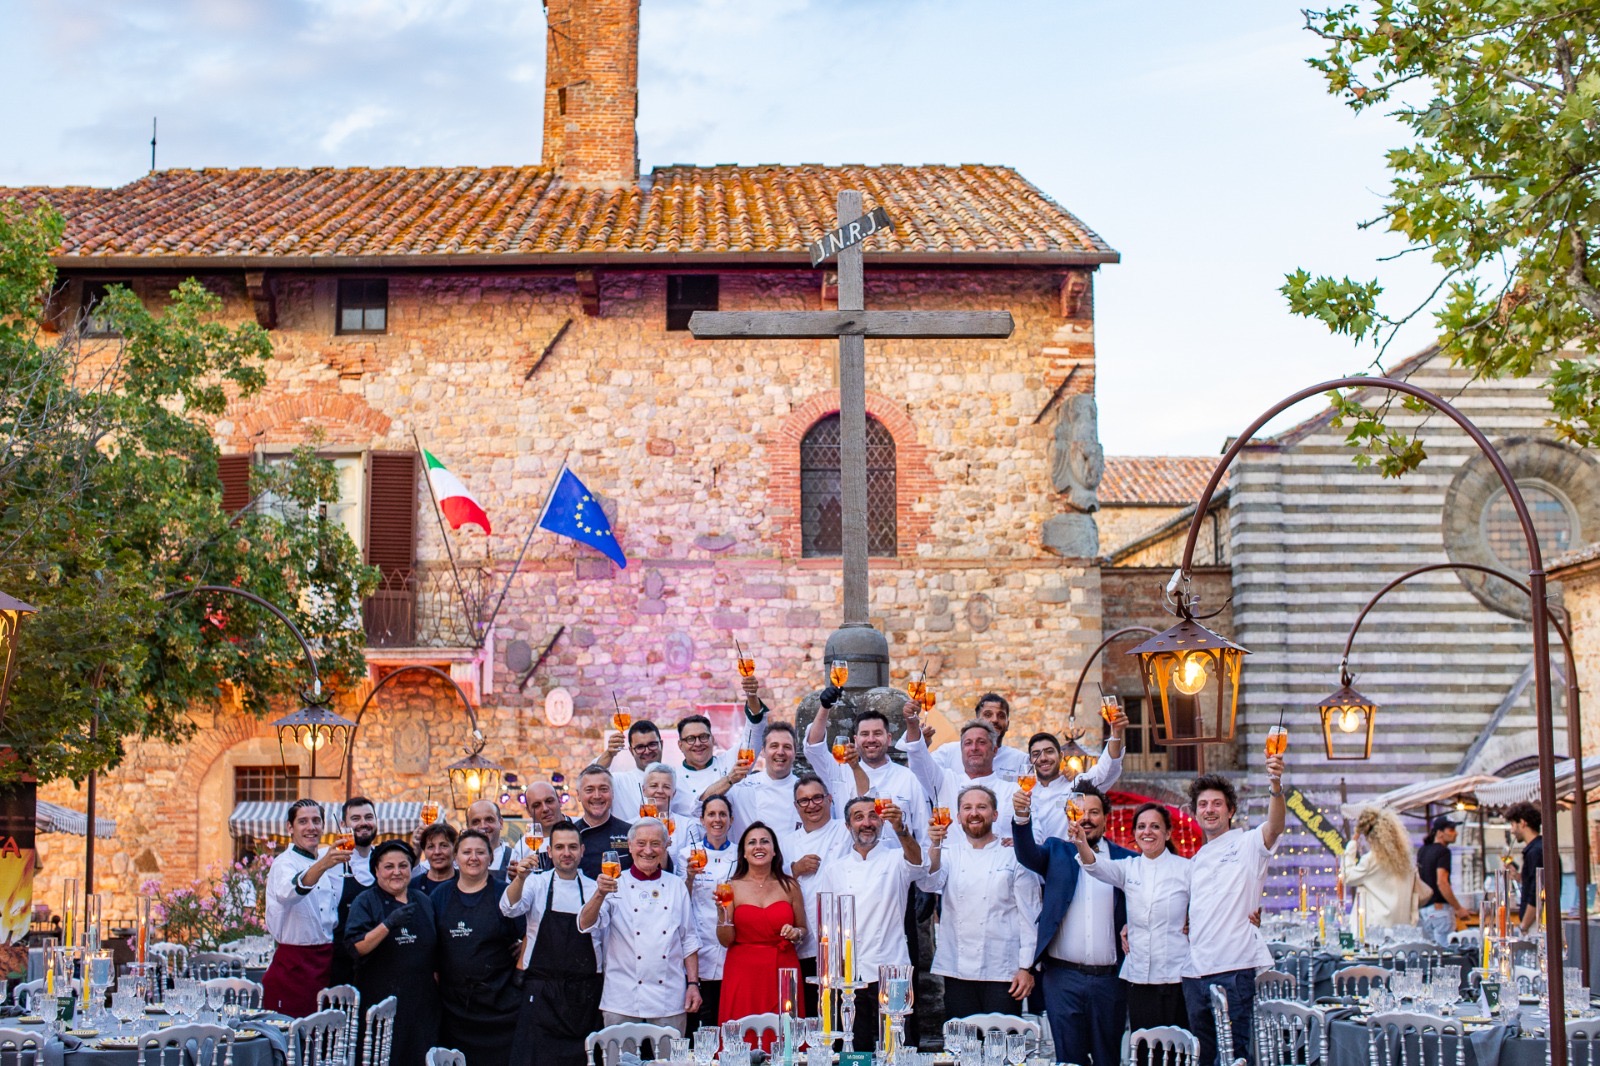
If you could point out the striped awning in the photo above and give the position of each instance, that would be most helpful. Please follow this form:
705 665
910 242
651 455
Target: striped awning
1524 788
1419 796
53 818
269 818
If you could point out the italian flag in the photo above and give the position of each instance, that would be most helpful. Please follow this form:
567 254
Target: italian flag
458 505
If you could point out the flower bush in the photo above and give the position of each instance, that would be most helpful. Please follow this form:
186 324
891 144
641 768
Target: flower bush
208 912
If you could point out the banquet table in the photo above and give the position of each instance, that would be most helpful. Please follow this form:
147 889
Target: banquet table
1497 1045
1325 964
267 1049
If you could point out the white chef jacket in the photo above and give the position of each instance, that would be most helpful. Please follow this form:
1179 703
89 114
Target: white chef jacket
828 843
627 794
762 798
891 780
1225 880
1008 762
686 800
944 786
703 901
988 926
304 917
1157 892
650 932
1088 932
569 898
1050 801
879 882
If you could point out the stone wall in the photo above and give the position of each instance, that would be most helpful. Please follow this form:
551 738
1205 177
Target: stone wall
692 445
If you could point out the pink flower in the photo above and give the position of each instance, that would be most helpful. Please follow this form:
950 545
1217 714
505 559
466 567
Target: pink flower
206 906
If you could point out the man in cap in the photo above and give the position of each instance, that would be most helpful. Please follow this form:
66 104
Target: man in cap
1440 910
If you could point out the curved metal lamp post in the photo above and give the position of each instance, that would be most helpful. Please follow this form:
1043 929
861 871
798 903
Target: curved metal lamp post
473 774
1580 799
1073 732
1184 603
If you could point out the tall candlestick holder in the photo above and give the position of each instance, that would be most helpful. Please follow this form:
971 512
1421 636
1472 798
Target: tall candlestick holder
894 1001
788 1016
836 963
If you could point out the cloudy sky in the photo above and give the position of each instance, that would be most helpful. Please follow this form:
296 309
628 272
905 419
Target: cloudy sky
1191 136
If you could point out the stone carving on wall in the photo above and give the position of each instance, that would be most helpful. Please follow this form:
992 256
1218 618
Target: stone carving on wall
411 746
678 650
1077 463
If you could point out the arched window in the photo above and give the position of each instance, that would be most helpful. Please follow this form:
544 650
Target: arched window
821 527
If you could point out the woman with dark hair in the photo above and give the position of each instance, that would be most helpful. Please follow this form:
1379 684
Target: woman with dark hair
437 843
759 924
717 859
476 959
391 936
1156 884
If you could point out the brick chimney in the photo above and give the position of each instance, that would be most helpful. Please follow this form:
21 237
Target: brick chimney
591 90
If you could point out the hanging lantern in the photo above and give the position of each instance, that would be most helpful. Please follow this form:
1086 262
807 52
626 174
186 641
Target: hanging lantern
473 777
1075 758
1347 721
319 732
12 612
1194 675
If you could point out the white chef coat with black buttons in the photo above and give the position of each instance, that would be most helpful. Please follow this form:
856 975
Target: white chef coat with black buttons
944 786
1157 892
989 922
878 881
890 781
703 900
1050 800
297 914
650 931
765 799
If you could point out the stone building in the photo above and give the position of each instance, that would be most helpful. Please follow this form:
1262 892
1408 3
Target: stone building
510 318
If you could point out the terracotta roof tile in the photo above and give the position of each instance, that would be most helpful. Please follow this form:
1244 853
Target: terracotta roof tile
526 211
1155 480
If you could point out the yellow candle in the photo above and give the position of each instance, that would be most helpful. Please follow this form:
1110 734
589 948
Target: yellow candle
50 981
1488 948
1322 925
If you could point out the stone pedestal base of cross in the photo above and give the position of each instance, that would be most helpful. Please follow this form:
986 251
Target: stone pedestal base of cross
855 640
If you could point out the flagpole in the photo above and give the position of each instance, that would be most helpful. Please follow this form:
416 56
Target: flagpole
549 496
461 591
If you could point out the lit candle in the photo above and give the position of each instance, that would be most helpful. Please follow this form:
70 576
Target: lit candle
69 910
847 933
1361 920
1303 900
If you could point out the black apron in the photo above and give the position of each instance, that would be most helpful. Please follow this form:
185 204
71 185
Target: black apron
402 966
476 965
344 963
562 1001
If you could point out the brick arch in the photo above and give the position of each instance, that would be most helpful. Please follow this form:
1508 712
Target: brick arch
915 484
351 418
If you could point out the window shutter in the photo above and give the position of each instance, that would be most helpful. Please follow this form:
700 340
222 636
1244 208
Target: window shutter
234 472
392 547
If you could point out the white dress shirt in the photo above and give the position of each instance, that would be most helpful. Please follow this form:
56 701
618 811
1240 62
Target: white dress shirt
627 794
879 882
569 898
301 916
1157 892
1088 933
1225 880
891 781
763 798
989 923
360 867
650 932
944 786
828 843
1050 800
703 901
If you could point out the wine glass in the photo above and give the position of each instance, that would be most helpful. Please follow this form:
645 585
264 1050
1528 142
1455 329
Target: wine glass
1016 1048
839 673
707 1039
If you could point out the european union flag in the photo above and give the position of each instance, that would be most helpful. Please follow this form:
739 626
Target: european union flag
572 511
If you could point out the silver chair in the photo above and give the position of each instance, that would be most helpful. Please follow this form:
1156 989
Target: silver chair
1358 980
1583 1042
213 1046
241 990
757 1025
209 965
1165 1045
1420 956
1289 1034
445 1056
174 958
25 992
18 1041
1222 1021
348 999
613 1040
1008 1024
378 1040
1301 964
1275 984
318 1039
1398 1038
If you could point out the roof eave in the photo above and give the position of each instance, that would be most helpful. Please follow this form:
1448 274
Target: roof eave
632 260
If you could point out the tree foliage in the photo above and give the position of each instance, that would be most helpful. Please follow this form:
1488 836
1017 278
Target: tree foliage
110 498
1498 190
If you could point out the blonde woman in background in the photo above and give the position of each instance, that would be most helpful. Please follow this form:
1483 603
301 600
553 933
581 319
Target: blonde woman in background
1386 876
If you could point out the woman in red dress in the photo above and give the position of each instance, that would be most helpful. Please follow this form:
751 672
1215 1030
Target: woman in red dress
759 925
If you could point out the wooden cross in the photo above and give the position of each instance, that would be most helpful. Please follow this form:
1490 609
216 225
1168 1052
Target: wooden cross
852 324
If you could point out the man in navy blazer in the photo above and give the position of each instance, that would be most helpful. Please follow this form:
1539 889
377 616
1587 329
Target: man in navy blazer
1080 927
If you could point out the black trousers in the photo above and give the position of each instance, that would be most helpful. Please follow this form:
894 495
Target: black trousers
866 1027
710 1000
962 997
1150 1006
808 991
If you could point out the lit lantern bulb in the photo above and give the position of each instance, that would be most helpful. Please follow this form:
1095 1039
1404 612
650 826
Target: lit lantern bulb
1350 720
1075 764
314 740
474 781
1189 674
